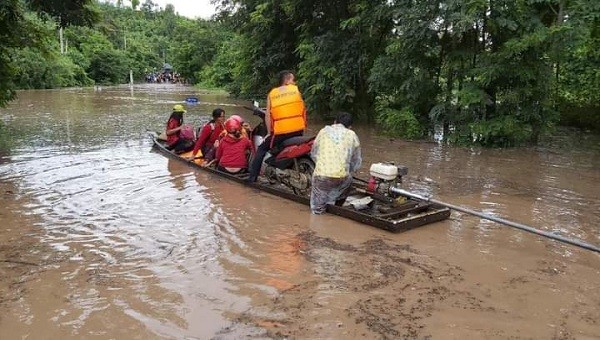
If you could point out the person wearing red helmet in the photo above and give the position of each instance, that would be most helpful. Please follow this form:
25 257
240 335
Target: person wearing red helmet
233 150
246 130
238 118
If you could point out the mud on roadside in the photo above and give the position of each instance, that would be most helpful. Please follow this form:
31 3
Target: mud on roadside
375 289
382 290
18 264
22 256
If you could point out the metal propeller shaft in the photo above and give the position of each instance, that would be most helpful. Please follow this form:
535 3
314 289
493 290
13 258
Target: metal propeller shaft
553 236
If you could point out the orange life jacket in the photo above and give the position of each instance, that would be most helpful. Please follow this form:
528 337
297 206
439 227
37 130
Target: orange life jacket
287 110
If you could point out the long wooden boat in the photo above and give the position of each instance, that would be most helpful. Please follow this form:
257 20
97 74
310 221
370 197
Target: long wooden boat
392 214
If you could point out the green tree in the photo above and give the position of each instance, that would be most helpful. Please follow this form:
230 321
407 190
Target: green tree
330 44
339 43
577 59
222 70
269 45
13 30
194 45
18 31
41 65
406 76
109 66
68 12
480 69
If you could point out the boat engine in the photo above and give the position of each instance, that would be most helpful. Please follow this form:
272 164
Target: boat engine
384 176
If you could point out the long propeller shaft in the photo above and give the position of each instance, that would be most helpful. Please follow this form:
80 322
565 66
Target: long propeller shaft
520 226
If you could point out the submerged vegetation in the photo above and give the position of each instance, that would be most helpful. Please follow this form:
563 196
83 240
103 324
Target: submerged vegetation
10 137
4 139
491 73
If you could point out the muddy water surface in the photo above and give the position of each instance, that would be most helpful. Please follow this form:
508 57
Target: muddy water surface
100 237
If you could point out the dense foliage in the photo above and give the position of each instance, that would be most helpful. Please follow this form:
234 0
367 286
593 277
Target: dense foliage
487 72
12 29
101 43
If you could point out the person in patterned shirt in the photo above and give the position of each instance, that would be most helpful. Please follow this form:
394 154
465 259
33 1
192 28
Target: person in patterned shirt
337 155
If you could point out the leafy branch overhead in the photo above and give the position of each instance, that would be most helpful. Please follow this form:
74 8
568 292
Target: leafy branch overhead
68 12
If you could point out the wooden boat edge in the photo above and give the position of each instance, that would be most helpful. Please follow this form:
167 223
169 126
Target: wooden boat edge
439 213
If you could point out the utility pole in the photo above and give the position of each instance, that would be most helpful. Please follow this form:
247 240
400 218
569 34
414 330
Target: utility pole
62 42
60 36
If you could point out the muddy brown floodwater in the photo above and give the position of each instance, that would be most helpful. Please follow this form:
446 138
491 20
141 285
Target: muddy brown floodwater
101 237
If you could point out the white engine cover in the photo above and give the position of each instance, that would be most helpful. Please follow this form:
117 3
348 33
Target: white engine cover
387 172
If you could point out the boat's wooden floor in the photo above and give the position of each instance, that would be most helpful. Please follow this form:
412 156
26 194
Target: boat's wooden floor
395 215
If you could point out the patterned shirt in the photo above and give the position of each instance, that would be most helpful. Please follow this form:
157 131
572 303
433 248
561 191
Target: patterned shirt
336 152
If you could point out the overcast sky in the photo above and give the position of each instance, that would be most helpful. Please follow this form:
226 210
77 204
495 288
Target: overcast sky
189 8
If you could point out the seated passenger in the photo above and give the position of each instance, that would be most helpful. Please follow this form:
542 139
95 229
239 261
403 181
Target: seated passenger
178 137
208 136
233 150
245 127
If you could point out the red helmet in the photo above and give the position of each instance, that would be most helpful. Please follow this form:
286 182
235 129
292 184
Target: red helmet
238 118
232 125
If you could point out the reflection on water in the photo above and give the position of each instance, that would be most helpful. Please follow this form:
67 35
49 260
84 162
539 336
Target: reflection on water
151 245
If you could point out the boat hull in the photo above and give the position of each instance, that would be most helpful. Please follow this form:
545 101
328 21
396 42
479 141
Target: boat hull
394 215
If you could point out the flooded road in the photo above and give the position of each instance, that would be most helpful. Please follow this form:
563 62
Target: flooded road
101 237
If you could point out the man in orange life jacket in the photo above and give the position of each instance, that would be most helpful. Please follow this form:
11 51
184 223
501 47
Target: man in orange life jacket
285 118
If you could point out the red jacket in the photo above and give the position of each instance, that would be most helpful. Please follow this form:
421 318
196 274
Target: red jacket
172 124
231 152
209 134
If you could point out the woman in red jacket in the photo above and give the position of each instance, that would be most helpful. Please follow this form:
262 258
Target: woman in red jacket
208 136
233 150
175 141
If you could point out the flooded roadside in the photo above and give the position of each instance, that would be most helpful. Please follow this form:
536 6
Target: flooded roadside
103 238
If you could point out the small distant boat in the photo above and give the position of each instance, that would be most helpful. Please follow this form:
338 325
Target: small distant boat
191 100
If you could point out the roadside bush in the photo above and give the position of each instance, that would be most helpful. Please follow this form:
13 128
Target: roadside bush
584 117
504 131
39 71
402 123
108 67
